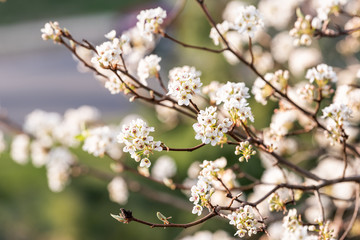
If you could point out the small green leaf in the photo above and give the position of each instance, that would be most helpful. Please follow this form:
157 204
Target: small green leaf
299 14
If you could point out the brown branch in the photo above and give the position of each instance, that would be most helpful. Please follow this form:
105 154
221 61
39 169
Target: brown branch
165 35
353 218
175 225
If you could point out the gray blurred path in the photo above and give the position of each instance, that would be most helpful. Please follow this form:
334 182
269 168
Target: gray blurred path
39 74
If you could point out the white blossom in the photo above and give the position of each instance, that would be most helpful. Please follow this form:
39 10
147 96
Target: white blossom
118 190
338 116
294 229
149 21
20 148
148 67
322 74
39 153
73 123
100 140
109 53
209 129
234 95
51 30
114 85
244 220
248 20
41 125
58 168
137 141
223 28
329 6
164 167
184 84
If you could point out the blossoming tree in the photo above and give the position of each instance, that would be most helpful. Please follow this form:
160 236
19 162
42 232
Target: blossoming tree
314 196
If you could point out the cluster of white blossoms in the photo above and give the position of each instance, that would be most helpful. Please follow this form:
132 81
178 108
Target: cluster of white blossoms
149 21
137 141
109 52
294 229
328 7
246 150
246 19
100 141
118 190
47 139
244 220
304 29
41 125
223 28
202 191
58 168
208 129
337 116
148 67
234 96
262 91
114 85
184 82
322 74
52 31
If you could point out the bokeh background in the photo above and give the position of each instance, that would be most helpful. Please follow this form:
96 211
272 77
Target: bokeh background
37 74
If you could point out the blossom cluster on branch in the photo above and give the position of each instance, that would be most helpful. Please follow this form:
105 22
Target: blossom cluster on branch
311 176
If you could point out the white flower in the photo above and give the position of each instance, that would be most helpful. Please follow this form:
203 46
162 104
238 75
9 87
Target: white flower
208 129
234 95
108 53
59 168
340 113
51 30
145 162
322 74
338 116
73 123
223 28
39 153
137 141
304 28
148 67
41 125
329 6
244 220
197 209
20 148
248 20
164 167
262 91
100 140
114 85
118 190
149 21
184 83
111 35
